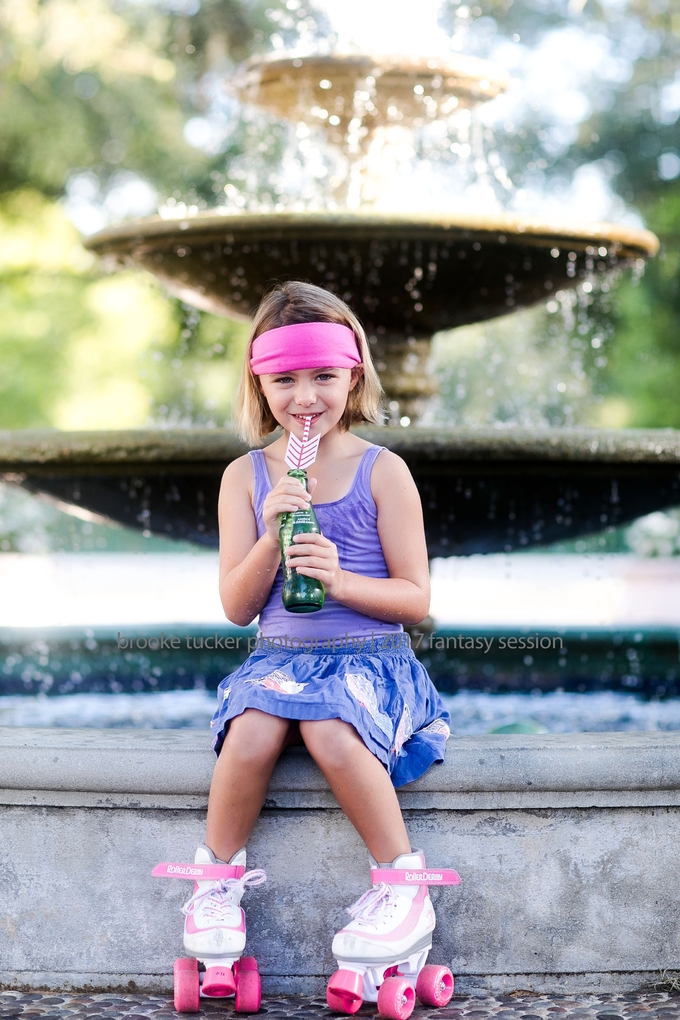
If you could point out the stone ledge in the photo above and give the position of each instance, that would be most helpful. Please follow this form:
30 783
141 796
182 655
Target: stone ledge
566 846
173 768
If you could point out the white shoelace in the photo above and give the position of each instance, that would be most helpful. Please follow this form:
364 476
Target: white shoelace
371 908
221 897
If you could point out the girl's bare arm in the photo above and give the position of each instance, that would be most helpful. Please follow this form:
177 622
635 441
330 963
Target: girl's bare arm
404 596
248 564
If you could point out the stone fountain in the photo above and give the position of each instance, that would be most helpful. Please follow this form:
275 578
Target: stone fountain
407 275
573 837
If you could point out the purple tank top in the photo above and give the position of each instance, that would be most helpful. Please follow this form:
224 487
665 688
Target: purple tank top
351 523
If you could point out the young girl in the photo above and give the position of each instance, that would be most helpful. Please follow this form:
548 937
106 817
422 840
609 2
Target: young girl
343 680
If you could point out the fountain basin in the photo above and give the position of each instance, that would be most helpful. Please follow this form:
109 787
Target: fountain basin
482 490
62 662
566 846
403 275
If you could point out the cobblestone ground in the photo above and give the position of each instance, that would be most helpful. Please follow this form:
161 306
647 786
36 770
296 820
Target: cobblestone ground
517 1006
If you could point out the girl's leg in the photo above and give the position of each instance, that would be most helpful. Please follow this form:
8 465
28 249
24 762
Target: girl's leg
361 786
249 753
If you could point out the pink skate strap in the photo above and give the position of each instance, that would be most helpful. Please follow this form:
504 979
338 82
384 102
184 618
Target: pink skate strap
196 872
424 876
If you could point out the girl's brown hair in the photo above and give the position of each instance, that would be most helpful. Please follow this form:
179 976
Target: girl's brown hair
284 305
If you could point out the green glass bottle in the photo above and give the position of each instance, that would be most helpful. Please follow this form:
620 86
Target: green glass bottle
300 594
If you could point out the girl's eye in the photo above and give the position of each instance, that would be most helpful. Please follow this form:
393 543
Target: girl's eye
284 379
325 376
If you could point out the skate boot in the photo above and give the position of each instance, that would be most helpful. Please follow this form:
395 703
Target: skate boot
382 952
215 932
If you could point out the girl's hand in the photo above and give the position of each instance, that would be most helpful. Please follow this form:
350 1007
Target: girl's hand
316 556
287 495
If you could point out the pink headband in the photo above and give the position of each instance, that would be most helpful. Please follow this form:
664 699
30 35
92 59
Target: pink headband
304 345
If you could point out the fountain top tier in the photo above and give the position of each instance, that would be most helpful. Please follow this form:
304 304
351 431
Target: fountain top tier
350 95
406 275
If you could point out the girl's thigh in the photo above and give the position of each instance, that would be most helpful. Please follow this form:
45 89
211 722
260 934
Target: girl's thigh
331 739
255 732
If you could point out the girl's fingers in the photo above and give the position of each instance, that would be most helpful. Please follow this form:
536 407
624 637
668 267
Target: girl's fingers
292 487
282 508
313 541
299 497
308 548
317 573
310 561
302 553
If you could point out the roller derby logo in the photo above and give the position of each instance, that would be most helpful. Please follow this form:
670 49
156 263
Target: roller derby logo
364 692
404 732
278 681
423 876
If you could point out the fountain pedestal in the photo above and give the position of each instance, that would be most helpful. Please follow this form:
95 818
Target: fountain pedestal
566 846
406 374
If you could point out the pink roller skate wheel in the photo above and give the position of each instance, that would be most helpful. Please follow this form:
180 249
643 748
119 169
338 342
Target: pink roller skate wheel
435 985
396 998
344 993
186 963
187 986
248 990
218 981
245 963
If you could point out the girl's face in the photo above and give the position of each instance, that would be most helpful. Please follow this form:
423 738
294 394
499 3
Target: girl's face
316 393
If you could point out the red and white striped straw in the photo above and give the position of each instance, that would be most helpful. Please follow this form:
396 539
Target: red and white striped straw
301 453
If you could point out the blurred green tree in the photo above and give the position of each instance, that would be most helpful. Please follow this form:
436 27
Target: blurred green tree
95 96
631 132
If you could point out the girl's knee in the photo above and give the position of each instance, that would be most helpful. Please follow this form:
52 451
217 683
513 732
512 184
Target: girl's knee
256 737
332 742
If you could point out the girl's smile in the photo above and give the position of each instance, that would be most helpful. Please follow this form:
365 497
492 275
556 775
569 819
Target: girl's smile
314 415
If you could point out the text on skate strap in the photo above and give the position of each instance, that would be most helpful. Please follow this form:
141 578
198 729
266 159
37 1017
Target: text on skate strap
198 872
419 876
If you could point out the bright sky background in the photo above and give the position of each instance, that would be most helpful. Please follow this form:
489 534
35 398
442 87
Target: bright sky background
569 70
388 26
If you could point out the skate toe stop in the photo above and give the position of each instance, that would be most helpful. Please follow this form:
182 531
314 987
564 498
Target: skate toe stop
218 982
344 992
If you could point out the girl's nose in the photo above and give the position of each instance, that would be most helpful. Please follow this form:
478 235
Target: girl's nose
305 396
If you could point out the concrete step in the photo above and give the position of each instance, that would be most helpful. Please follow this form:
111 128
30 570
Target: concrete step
566 845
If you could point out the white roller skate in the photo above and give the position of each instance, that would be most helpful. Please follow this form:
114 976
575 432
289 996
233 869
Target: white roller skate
382 952
215 933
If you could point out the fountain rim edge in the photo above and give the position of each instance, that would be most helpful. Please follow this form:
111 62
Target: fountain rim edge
533 231
385 62
26 449
269 69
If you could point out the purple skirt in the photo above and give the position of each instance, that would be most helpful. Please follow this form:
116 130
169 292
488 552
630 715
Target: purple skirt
375 684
